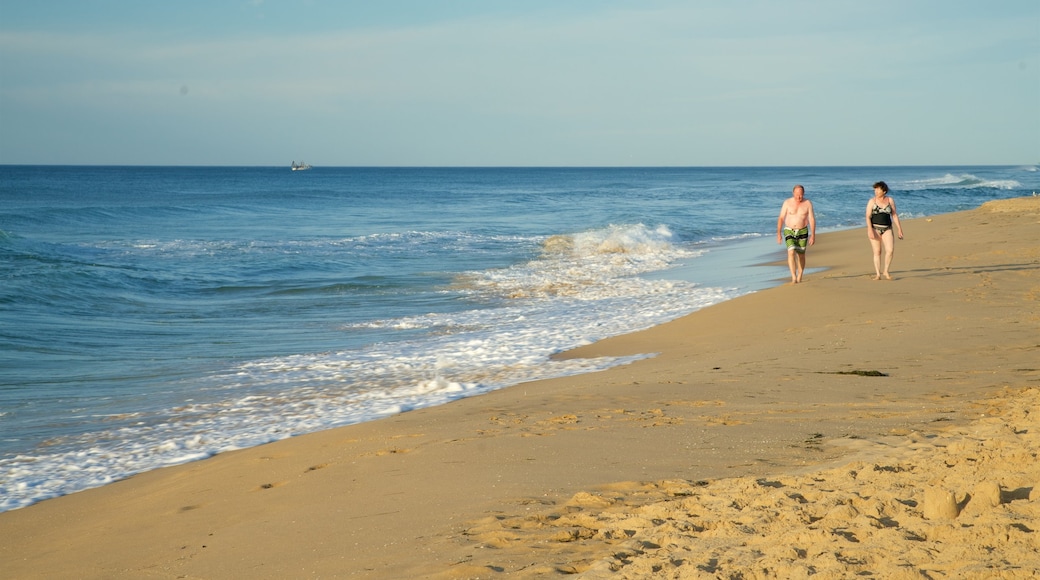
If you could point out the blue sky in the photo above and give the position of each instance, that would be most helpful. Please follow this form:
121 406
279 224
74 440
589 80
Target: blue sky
520 83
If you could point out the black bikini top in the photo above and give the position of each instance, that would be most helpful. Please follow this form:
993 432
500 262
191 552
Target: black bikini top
881 216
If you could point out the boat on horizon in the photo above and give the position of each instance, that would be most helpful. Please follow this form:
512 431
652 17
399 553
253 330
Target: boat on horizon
299 166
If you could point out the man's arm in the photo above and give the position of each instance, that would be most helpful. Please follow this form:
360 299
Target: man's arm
780 223
812 224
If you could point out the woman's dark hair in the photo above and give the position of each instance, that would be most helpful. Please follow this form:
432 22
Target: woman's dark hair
882 185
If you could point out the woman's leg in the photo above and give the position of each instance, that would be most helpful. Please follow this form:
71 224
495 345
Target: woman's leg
875 244
888 239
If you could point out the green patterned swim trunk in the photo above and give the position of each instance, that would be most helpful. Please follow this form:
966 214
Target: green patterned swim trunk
796 240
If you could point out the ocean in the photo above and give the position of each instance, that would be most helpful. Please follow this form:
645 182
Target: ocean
151 316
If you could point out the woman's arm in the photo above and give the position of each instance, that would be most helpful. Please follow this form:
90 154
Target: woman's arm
870 226
895 218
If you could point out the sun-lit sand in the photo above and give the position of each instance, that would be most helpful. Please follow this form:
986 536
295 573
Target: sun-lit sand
960 503
842 427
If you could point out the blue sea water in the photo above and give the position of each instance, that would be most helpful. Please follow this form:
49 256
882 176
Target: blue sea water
151 316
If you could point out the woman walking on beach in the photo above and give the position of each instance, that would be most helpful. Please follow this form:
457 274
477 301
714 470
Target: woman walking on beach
881 218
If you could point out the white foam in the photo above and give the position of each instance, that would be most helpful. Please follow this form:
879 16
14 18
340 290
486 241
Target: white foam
963 181
580 289
593 265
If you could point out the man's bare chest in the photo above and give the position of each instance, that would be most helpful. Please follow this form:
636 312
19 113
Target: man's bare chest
799 208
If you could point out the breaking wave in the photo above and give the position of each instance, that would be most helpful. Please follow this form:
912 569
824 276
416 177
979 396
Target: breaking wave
963 181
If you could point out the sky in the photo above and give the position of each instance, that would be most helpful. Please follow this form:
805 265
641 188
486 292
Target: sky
520 83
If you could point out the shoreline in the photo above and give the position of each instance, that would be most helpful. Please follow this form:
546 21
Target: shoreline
722 261
751 387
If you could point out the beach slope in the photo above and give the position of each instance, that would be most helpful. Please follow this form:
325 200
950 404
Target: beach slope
837 427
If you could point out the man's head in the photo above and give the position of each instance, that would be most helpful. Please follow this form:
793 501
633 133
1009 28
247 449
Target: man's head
798 192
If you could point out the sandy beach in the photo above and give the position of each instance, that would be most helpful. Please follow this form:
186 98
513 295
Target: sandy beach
835 428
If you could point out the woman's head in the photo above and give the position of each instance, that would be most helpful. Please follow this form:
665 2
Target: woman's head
882 186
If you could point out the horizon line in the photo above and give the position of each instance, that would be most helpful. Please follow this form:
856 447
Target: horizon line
735 166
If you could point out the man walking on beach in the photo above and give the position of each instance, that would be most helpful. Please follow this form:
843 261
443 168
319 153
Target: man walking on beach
797 228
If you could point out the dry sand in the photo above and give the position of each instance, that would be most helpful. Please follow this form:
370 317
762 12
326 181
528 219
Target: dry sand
754 445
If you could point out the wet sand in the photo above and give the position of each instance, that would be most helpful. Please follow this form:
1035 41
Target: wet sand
838 427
